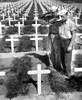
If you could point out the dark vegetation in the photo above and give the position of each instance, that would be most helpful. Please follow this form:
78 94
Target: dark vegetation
18 80
4 45
25 44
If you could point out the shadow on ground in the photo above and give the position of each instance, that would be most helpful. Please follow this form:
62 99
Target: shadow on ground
60 83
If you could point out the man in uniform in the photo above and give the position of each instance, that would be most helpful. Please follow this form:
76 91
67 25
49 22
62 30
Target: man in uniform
67 32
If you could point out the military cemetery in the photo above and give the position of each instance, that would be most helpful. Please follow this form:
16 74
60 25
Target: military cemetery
28 51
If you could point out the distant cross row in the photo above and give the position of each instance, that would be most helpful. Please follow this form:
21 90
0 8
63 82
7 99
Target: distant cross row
36 33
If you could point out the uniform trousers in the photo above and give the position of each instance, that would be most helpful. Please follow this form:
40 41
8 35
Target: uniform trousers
66 56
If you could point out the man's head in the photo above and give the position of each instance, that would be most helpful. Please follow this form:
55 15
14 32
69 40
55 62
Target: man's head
53 9
63 14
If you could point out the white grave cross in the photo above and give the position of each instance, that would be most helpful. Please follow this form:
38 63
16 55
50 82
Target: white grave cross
8 13
9 19
39 72
19 27
78 70
14 15
25 15
36 33
12 42
3 15
2 73
23 19
76 20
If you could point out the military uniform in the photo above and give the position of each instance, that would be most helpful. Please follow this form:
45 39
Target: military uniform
65 31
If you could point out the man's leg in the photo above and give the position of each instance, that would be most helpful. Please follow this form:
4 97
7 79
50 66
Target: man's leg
63 60
68 62
64 55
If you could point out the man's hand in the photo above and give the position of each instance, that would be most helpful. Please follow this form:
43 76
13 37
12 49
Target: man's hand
69 48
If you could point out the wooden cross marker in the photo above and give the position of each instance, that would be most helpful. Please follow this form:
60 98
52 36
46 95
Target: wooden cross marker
9 19
12 42
2 73
81 37
1 26
76 20
20 10
36 33
14 15
23 19
77 69
19 27
12 10
25 15
3 15
8 13
39 72
18 13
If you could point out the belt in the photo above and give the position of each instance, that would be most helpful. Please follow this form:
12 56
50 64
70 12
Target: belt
65 39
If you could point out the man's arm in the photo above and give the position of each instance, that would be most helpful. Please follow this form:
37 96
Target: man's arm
72 40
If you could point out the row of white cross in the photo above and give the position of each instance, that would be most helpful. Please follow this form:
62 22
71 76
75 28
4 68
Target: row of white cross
36 25
19 25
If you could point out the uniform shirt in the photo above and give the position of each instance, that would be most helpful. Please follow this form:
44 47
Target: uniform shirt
66 29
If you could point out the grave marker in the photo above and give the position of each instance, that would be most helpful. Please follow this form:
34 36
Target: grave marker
36 33
2 73
77 69
25 15
19 27
3 15
39 72
8 13
76 20
9 19
23 19
12 42
14 16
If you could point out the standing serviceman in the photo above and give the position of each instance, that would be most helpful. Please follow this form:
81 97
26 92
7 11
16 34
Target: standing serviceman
67 32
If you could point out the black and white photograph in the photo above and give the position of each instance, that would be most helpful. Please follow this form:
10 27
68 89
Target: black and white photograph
40 49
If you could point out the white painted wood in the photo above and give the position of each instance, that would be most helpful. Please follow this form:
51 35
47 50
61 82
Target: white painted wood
36 25
9 19
12 42
78 70
19 25
39 72
2 73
